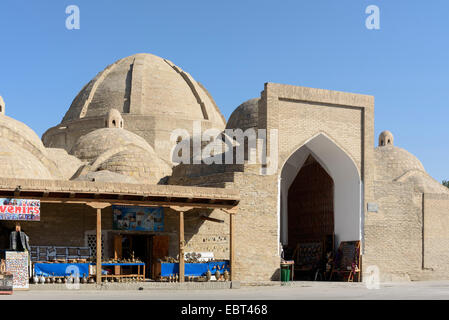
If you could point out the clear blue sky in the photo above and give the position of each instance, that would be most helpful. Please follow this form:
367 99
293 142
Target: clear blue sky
233 48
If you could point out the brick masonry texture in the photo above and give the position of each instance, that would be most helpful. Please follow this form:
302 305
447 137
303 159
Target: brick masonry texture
256 238
436 233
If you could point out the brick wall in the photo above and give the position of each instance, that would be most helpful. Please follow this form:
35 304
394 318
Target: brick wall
436 233
62 224
256 232
393 235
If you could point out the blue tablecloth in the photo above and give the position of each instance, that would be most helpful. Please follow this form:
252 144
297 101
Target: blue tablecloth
65 269
61 269
194 269
123 264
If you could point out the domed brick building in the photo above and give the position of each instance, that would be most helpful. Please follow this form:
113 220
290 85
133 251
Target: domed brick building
317 176
153 96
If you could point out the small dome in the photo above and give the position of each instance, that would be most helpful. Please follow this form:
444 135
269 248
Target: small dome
18 163
142 165
95 143
393 162
121 152
245 116
386 138
114 119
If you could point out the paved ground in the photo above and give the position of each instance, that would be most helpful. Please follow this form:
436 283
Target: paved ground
303 290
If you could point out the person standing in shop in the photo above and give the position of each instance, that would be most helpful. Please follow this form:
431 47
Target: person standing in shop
19 241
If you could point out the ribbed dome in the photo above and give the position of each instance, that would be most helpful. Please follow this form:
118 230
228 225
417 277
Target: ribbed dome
122 153
25 142
392 162
152 96
16 162
20 134
245 116
145 84
106 176
140 164
95 143
67 164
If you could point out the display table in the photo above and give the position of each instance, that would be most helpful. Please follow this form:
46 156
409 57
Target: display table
193 269
140 275
61 269
67 269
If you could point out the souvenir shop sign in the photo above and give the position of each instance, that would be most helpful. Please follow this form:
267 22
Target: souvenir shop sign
138 218
20 209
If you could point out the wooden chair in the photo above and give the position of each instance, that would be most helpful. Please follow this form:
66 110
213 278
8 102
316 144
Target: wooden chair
308 258
347 261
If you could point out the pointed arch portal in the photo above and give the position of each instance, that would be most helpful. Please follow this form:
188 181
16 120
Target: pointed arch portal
321 192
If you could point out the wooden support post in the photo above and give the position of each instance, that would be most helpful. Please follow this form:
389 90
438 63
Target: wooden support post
231 246
182 243
181 246
98 246
98 206
231 213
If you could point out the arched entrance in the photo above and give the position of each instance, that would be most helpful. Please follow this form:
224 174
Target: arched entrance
321 195
310 204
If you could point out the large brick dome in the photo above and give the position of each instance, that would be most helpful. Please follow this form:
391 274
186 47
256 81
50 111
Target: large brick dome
148 85
153 95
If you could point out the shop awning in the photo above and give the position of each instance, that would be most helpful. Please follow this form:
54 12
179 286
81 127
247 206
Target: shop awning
118 193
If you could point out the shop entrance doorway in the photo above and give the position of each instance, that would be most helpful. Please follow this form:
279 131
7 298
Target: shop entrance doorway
310 204
145 247
311 220
320 205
